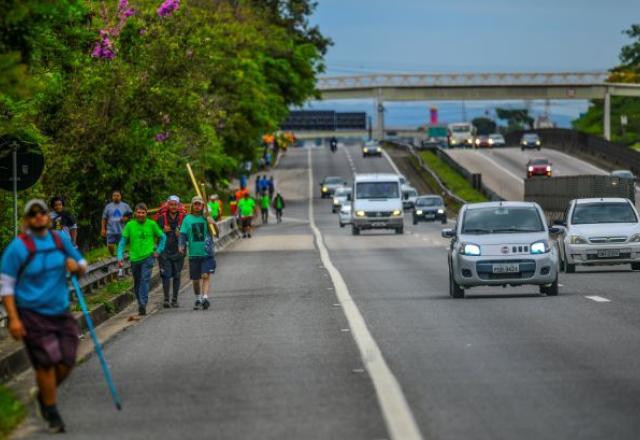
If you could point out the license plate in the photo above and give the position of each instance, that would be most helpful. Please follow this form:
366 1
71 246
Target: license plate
429 216
506 268
378 225
608 253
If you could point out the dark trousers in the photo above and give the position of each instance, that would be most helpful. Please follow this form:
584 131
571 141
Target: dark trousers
265 215
279 214
171 268
141 271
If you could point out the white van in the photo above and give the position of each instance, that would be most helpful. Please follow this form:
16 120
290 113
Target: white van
461 134
376 203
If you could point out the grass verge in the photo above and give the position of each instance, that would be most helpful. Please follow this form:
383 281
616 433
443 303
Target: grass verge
97 254
452 179
106 294
11 412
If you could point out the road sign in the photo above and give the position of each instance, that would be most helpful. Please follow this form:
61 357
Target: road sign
29 163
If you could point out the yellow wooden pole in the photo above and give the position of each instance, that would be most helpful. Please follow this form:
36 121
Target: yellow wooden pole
212 227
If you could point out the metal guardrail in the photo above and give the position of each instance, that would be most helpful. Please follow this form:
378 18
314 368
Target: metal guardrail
484 189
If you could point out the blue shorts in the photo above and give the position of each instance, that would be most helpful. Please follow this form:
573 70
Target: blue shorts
113 238
199 266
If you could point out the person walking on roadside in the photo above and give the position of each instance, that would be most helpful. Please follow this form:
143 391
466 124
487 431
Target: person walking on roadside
233 205
278 205
265 201
62 220
141 235
271 186
246 209
171 260
196 240
264 184
258 185
215 207
36 297
114 217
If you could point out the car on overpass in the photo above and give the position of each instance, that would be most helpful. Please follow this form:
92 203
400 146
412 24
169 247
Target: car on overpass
376 203
497 140
530 141
329 184
341 196
623 174
371 148
599 231
538 166
500 244
429 209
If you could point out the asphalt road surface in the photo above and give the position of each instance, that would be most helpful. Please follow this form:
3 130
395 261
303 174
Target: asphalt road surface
274 357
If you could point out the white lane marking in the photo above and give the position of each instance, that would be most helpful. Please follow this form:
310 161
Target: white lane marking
598 299
350 159
395 409
520 179
393 165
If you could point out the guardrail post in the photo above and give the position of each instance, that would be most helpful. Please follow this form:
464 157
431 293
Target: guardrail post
607 115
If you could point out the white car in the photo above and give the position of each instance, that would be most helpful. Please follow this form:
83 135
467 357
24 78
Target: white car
497 140
345 215
409 196
599 232
341 196
376 203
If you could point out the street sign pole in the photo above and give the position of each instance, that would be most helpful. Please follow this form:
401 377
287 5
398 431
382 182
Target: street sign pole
15 188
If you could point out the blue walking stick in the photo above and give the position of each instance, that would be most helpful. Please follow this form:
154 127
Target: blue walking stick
96 344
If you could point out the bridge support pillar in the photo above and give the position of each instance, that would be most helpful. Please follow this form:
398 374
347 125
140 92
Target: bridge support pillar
380 120
607 115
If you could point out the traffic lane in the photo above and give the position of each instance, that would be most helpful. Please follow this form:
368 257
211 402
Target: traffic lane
516 160
268 360
482 367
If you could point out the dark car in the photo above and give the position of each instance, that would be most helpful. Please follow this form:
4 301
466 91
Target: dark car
371 149
623 174
530 141
539 167
429 209
329 184
483 141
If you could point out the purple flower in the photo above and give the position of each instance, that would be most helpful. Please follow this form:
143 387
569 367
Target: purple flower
103 48
128 13
142 31
162 136
122 5
168 7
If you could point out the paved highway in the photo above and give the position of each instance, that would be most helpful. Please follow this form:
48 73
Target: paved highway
279 355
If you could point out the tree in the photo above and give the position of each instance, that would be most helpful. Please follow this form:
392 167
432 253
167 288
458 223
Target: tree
517 119
484 125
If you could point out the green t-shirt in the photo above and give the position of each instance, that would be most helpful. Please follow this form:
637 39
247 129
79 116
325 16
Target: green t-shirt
264 202
246 207
214 209
141 238
199 242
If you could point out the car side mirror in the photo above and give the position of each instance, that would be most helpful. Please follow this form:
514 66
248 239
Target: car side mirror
559 222
555 229
448 233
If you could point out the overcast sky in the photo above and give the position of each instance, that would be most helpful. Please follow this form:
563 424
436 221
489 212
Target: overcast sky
474 35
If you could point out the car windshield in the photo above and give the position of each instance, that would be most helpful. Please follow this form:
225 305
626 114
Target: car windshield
377 190
461 128
333 180
429 201
502 219
530 137
539 162
410 193
343 192
592 213
497 137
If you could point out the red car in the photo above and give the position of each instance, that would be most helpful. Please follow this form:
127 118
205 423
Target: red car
539 167
483 141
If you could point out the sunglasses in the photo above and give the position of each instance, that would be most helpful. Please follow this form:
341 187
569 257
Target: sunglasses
35 212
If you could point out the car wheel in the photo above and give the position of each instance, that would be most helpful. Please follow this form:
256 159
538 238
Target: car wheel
569 268
355 231
538 148
455 291
561 265
552 290
415 221
333 210
400 230
635 266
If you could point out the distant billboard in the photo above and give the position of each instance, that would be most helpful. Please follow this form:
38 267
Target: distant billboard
324 120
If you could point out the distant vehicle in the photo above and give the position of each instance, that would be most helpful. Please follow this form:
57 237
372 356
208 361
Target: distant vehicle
429 209
530 140
483 141
497 140
334 144
499 244
344 215
599 232
461 134
329 184
538 167
403 180
409 196
376 203
341 197
623 174
371 148
437 135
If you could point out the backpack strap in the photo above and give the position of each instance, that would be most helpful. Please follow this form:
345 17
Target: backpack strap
30 244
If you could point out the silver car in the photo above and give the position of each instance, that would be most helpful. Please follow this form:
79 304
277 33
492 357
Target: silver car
599 232
345 215
341 197
499 244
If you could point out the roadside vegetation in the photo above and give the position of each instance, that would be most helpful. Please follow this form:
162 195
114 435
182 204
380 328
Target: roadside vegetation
11 412
106 294
451 178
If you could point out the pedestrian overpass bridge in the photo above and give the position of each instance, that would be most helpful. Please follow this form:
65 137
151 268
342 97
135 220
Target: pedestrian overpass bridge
475 86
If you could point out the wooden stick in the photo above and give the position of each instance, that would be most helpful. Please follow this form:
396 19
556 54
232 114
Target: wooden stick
212 227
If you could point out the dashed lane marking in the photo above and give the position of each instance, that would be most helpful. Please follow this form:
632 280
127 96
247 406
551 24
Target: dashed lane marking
395 409
506 171
598 299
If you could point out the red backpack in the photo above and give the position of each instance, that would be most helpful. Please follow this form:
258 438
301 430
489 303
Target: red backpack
164 213
28 242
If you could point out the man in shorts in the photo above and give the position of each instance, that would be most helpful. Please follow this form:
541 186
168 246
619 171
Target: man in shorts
114 217
36 298
196 239
246 209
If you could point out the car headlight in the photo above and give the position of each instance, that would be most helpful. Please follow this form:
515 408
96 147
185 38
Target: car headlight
490 141
469 249
396 213
635 238
453 141
537 142
548 169
539 247
325 189
530 169
359 213
477 141
419 212
379 150
470 141
365 150
440 211
576 239
336 201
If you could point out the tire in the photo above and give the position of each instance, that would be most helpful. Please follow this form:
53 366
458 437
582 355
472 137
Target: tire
415 221
569 268
635 266
333 210
538 148
342 225
355 230
552 290
455 291
561 265
400 230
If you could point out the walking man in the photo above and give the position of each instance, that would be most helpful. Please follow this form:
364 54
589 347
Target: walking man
246 208
62 220
215 207
264 207
141 235
171 260
36 298
272 187
196 240
278 205
114 217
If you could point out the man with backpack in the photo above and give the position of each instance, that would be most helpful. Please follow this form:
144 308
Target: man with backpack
141 235
171 260
62 220
36 297
278 205
196 239
264 208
